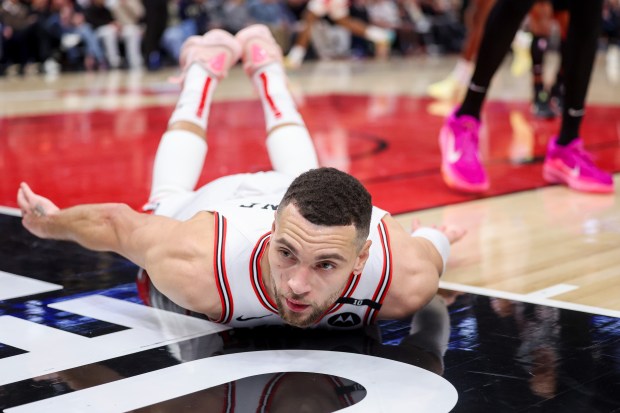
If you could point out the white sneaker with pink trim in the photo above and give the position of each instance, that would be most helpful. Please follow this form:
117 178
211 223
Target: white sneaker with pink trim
259 48
217 51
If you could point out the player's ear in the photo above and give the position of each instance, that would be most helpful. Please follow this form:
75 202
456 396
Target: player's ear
362 257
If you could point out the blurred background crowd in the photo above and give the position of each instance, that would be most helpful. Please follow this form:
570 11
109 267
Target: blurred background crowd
50 36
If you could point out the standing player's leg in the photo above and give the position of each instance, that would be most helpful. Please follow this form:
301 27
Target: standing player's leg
338 12
540 22
461 165
205 61
567 161
453 86
290 147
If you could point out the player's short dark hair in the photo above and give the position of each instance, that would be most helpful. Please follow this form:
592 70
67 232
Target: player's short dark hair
327 196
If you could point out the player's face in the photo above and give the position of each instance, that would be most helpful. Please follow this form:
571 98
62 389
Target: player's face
310 265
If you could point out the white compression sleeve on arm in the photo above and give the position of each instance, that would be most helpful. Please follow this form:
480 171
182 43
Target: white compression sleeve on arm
439 241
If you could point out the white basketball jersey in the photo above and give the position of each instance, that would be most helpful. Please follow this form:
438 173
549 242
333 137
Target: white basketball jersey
244 215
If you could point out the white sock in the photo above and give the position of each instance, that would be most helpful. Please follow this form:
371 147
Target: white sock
278 104
378 35
178 163
291 150
296 55
463 71
195 100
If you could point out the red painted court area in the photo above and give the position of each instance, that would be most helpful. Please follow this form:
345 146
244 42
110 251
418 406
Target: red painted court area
389 142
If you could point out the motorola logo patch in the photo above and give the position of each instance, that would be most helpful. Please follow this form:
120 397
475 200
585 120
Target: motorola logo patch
344 320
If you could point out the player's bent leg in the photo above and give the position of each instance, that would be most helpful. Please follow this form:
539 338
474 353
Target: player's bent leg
288 142
205 60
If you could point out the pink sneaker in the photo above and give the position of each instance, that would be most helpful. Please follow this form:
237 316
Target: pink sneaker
573 166
461 167
217 51
259 48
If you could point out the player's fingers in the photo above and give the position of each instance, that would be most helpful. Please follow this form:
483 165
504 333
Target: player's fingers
28 194
21 200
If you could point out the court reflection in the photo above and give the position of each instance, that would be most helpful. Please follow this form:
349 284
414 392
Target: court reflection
420 341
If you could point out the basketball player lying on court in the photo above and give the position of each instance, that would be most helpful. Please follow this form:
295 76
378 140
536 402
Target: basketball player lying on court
301 244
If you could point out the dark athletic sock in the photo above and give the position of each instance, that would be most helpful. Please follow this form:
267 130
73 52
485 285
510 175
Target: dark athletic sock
581 44
501 26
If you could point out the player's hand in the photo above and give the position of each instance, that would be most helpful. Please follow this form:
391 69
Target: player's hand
35 209
452 232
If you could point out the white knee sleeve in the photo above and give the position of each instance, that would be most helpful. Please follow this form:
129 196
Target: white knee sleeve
291 150
178 163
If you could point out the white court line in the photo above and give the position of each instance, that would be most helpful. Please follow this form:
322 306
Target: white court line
529 298
27 95
10 211
51 350
553 291
391 386
14 286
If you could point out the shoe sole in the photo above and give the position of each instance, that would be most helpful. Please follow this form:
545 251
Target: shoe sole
553 177
214 39
260 34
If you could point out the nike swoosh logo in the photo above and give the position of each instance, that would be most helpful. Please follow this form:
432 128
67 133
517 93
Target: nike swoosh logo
576 112
574 172
453 154
242 318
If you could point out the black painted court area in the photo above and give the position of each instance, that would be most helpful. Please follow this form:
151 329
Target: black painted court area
501 356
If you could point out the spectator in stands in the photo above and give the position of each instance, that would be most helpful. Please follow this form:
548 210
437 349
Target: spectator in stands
16 34
67 25
44 46
274 15
127 15
101 20
156 19
611 32
234 15
337 11
192 20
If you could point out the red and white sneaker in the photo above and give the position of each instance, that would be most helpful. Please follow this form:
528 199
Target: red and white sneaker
259 48
217 51
573 166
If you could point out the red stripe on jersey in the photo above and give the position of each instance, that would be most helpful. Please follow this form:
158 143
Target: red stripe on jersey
256 274
203 97
270 389
219 269
386 276
348 290
272 105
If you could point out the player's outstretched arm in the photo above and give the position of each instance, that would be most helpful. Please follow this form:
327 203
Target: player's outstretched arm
99 227
168 249
419 258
